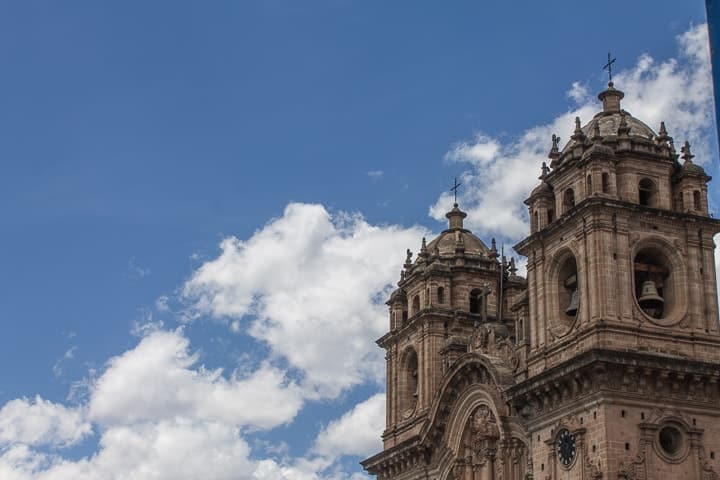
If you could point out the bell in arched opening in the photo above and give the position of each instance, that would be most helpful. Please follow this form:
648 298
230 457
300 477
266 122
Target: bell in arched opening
650 300
574 303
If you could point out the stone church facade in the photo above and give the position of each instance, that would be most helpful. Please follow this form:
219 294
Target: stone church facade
604 363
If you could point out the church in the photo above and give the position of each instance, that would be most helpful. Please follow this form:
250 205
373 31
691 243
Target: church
604 363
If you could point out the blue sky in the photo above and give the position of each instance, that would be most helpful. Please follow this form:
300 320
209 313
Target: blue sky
190 186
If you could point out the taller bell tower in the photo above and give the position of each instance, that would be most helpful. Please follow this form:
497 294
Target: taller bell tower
623 359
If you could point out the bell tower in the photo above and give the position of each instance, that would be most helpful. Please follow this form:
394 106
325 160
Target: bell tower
624 345
451 285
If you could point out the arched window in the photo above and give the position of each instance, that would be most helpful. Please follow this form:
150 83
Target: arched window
568 199
477 301
441 295
588 185
606 182
646 192
416 304
697 205
550 215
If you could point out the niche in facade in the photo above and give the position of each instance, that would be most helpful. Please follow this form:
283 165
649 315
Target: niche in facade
409 385
653 282
568 199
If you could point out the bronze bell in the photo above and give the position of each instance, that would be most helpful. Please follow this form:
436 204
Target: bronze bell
649 297
574 301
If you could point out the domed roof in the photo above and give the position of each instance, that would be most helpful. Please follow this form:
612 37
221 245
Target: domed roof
448 240
693 169
608 123
543 189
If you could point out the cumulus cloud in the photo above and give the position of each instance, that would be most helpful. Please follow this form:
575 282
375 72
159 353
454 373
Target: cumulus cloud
157 380
312 286
357 432
41 422
165 450
501 174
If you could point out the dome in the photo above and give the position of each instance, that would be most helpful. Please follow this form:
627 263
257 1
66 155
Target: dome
543 189
456 237
693 169
609 122
448 240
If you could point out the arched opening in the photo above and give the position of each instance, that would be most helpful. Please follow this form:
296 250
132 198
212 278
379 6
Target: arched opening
654 282
588 185
568 199
416 304
441 295
569 294
646 192
476 301
605 182
409 385
550 215
697 204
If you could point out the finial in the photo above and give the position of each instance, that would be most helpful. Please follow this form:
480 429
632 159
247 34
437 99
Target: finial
512 268
663 137
554 151
423 248
608 67
623 128
408 259
578 134
544 171
686 154
454 189
493 249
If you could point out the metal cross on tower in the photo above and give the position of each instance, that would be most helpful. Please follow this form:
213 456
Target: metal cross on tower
608 66
455 187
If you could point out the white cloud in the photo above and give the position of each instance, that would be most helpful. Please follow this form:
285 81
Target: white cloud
135 271
501 176
374 173
579 92
175 449
480 151
357 432
159 380
312 286
59 367
41 422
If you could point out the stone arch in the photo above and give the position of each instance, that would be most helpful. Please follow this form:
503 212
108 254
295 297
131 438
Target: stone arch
675 291
470 397
562 266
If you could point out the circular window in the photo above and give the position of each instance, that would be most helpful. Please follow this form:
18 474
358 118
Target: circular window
670 440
